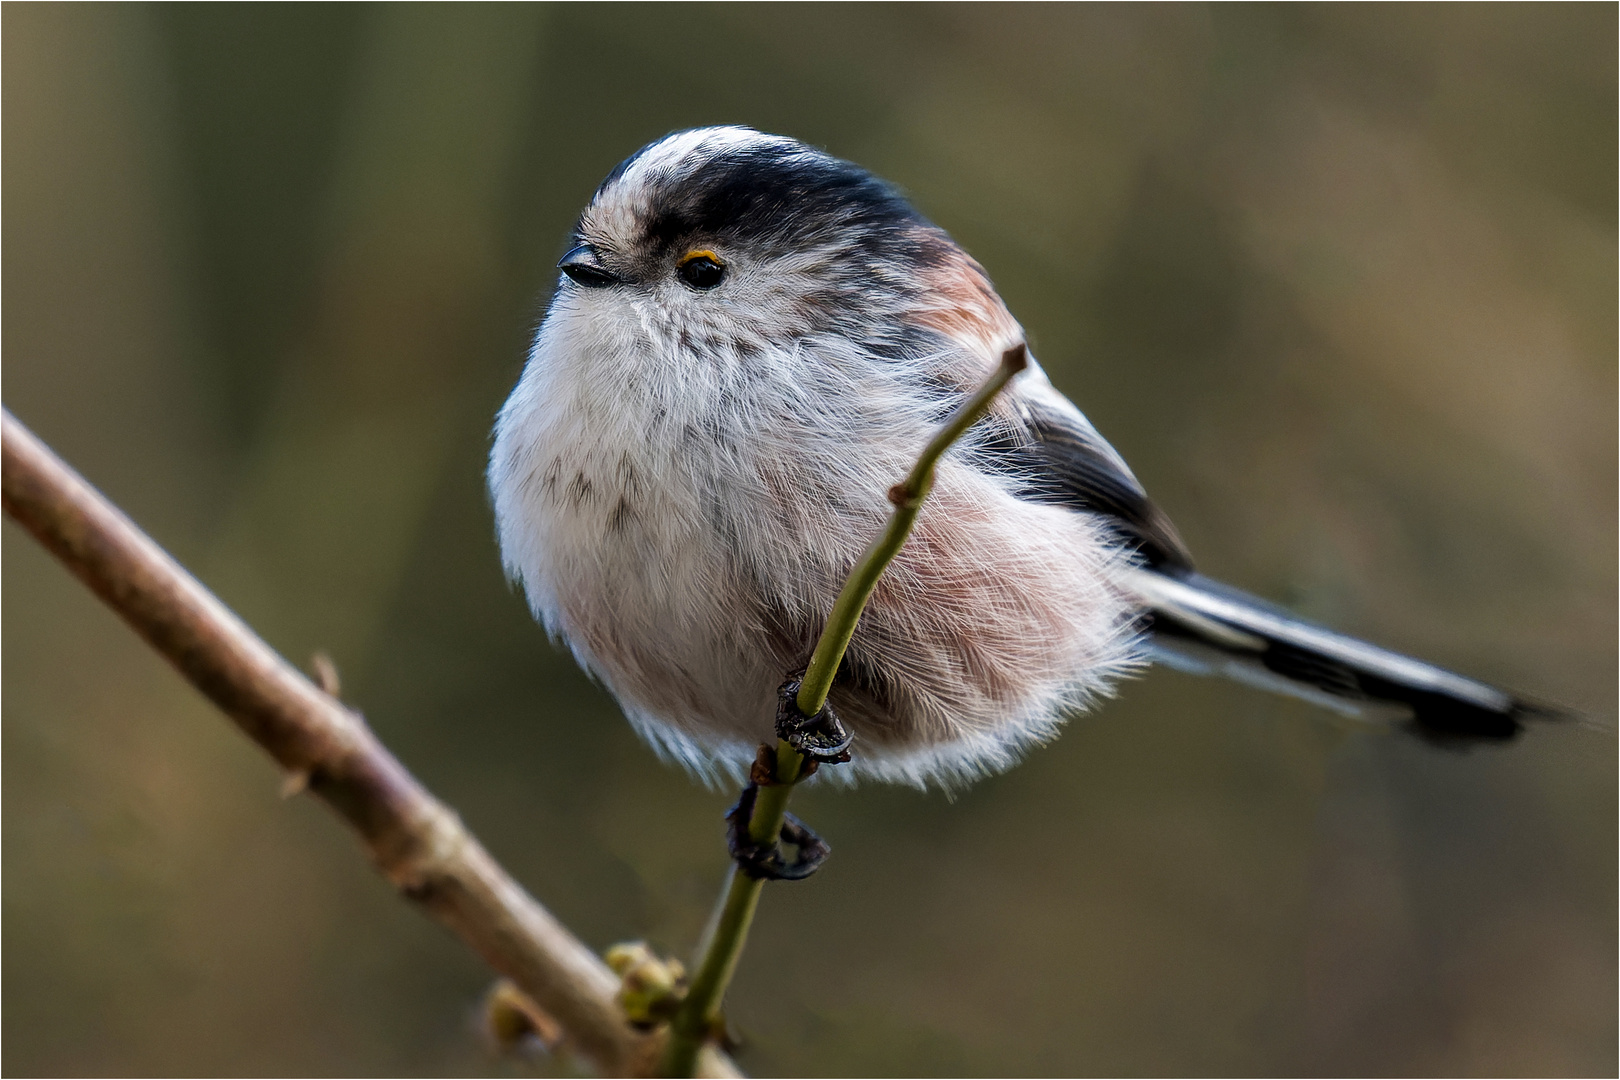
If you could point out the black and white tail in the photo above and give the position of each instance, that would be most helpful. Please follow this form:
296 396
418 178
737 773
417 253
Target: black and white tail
1207 628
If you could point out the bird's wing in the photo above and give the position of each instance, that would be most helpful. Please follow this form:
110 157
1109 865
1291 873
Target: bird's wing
1036 435
1055 456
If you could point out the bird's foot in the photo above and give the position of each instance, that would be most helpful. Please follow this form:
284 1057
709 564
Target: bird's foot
766 862
821 738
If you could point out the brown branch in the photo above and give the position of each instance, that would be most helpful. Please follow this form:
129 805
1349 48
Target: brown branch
416 841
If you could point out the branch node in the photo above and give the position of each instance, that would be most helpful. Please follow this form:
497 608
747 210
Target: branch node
651 987
428 853
762 773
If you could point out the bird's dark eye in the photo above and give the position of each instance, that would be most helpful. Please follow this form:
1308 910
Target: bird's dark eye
701 269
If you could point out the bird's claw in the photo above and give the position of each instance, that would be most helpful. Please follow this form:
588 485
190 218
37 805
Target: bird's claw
820 738
765 862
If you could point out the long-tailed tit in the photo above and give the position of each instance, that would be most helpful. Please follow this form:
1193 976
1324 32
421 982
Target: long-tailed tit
750 344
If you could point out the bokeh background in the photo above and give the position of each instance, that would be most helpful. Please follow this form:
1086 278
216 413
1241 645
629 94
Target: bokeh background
1340 282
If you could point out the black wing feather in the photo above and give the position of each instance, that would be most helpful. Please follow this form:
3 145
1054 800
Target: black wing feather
1061 461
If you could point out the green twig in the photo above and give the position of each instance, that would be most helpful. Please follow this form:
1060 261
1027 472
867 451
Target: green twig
907 498
698 1017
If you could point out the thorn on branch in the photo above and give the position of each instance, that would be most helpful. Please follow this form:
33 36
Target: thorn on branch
296 782
326 674
514 1022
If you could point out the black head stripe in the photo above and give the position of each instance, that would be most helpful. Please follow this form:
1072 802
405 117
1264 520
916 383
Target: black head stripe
774 192
775 198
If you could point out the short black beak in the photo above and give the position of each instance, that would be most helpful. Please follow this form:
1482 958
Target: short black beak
582 264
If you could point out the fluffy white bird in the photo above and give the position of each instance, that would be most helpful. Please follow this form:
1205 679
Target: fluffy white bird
751 342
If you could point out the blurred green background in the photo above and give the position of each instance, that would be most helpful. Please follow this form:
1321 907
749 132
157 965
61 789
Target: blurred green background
1340 282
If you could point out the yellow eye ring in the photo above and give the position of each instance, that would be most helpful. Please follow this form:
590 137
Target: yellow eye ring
701 269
